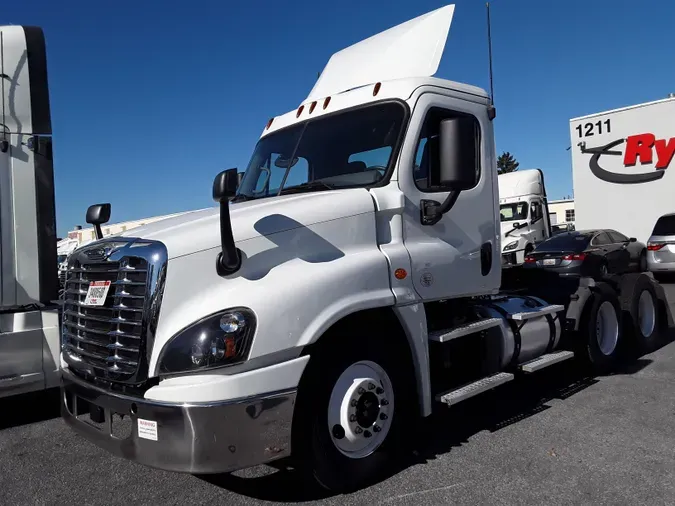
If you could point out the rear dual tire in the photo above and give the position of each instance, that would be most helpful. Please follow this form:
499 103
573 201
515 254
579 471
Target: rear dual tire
602 325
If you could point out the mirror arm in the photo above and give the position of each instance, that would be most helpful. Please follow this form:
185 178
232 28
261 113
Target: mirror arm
432 211
98 231
229 258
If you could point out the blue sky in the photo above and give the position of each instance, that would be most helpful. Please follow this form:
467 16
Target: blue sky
151 99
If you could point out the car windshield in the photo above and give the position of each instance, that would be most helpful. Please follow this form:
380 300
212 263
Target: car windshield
567 241
665 225
512 212
348 149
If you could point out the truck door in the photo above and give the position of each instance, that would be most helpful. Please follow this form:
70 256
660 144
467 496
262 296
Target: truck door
460 254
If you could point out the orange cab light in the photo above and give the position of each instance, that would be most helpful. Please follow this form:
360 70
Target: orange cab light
326 102
376 90
269 124
400 273
300 109
312 106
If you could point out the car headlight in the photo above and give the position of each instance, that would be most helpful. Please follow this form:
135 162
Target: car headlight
510 246
221 339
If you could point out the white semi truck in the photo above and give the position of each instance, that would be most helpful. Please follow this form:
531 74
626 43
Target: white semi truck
349 285
29 318
523 211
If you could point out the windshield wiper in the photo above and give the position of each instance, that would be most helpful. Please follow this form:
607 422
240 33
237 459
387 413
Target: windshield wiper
308 186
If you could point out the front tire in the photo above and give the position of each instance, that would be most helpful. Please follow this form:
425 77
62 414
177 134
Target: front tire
352 411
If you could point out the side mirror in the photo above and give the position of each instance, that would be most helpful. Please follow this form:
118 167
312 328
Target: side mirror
224 188
225 185
97 215
458 153
632 239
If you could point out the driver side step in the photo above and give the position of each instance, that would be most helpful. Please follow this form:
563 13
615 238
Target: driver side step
475 388
446 335
545 361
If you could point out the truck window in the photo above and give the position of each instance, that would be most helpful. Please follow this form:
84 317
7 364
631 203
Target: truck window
512 212
272 173
348 149
536 210
426 170
665 225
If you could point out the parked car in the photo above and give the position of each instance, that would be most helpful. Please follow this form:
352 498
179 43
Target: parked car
589 253
661 246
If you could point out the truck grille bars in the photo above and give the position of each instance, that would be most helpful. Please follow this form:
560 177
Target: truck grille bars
113 339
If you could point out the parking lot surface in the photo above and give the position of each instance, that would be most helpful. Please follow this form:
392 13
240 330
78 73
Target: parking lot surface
557 439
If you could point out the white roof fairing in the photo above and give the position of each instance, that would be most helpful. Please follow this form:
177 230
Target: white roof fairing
411 49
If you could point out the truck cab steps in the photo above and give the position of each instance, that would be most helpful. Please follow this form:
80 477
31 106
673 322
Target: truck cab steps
443 336
542 311
545 361
475 388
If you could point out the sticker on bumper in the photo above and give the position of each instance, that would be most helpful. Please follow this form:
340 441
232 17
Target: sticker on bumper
147 429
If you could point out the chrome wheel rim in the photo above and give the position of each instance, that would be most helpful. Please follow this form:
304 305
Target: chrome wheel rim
646 314
607 328
360 409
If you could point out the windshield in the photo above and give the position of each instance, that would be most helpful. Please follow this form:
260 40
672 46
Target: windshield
515 211
352 148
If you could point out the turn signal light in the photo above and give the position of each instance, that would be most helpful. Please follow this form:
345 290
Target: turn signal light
655 246
576 256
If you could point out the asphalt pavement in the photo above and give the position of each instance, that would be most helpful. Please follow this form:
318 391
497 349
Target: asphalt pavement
557 439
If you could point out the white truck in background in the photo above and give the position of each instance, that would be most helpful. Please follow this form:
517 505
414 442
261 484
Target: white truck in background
350 284
29 317
623 168
523 212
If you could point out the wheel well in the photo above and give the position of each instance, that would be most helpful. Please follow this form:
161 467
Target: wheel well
378 322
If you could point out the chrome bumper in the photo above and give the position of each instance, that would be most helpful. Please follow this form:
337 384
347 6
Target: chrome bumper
191 438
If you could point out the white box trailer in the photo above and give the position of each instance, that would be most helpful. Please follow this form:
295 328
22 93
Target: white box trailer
620 164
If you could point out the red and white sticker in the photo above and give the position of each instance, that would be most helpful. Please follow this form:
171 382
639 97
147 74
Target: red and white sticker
147 429
97 292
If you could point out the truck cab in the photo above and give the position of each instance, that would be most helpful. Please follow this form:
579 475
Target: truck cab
346 285
523 213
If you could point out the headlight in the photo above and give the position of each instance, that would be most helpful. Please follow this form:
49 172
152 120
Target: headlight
218 340
511 245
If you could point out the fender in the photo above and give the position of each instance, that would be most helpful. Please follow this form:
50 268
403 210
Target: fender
298 283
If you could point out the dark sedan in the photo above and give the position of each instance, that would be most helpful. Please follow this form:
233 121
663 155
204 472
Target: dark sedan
593 253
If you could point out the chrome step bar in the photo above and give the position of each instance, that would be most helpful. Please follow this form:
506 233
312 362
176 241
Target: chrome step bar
443 336
545 361
475 388
542 311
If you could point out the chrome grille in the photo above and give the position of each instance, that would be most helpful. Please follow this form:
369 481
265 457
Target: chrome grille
111 341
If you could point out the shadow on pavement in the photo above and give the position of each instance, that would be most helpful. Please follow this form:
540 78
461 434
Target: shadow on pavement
29 408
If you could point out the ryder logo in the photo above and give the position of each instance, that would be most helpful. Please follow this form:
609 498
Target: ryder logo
645 148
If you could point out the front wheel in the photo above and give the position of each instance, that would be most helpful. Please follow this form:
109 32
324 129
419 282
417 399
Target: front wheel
353 405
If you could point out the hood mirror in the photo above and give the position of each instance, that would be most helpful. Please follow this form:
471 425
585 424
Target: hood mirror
98 214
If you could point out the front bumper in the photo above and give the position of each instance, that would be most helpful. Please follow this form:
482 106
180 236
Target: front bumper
192 438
